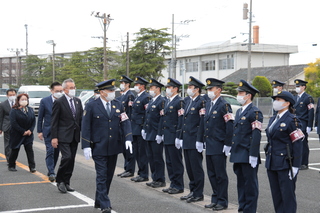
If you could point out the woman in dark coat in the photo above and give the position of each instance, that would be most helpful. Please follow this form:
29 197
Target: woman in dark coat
23 121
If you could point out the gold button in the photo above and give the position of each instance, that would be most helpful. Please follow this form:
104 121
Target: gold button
110 136
110 128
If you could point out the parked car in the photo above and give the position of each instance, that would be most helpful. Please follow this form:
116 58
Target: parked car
232 101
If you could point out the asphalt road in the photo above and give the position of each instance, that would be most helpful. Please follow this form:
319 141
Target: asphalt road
22 191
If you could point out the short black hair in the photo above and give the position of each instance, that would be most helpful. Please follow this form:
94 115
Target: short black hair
54 84
11 90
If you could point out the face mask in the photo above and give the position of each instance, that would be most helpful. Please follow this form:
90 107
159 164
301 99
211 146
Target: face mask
57 94
190 92
122 87
97 96
152 93
169 92
275 90
12 98
298 90
23 103
137 89
277 105
110 96
211 95
241 100
72 93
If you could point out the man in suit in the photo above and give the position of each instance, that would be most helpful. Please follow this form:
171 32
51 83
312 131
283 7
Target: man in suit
152 128
43 127
191 140
137 120
171 130
305 112
5 108
245 149
127 99
65 131
218 130
102 120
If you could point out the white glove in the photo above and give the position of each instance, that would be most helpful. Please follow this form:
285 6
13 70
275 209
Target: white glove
143 134
129 146
308 130
87 153
253 161
162 137
294 172
181 143
226 150
158 139
199 146
316 128
177 143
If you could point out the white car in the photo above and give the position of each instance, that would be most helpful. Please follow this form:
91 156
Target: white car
232 101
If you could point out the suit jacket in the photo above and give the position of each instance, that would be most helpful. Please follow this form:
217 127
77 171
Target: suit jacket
102 132
44 116
21 122
217 132
246 141
64 126
305 110
5 109
138 112
278 138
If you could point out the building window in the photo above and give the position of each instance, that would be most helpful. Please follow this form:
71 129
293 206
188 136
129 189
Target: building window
208 65
192 67
225 64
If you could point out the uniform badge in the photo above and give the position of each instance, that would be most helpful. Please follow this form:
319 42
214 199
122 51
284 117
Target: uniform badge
310 106
98 116
256 125
243 118
117 111
130 103
171 107
192 108
296 135
123 102
113 106
146 106
202 111
301 102
282 124
123 116
227 117
153 106
214 112
180 112
138 102
162 112
84 113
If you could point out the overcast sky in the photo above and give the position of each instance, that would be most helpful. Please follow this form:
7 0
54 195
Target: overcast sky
70 24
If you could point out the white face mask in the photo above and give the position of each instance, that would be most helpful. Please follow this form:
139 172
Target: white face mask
241 99
23 103
190 92
298 90
72 93
12 98
275 90
110 96
57 94
277 105
137 89
152 93
211 95
169 92
122 87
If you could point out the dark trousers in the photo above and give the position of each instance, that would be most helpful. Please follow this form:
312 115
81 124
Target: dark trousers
218 177
283 191
140 155
30 156
305 149
105 166
129 160
7 149
52 155
68 152
193 161
155 158
174 166
247 186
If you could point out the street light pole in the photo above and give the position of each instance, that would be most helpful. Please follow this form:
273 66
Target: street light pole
249 43
53 59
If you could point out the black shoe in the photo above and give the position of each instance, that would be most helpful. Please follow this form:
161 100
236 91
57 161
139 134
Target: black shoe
150 183
69 189
141 179
12 169
158 184
106 210
187 196
304 167
62 187
52 178
127 174
119 175
134 178
166 190
210 206
219 207
194 199
33 170
175 191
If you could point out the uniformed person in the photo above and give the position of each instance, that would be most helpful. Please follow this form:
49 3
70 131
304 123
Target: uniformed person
171 130
305 112
277 87
101 122
152 128
191 140
95 96
127 97
245 151
218 128
283 153
137 120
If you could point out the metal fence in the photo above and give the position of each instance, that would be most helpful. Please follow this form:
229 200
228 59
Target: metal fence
265 105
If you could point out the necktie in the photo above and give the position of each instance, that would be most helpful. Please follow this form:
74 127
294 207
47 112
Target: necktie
298 97
273 123
211 106
189 106
72 108
108 108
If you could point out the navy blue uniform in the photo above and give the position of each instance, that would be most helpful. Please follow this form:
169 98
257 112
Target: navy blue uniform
245 143
305 112
317 118
277 163
217 133
137 121
101 132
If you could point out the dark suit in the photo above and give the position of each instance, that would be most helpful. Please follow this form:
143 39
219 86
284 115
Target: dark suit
217 133
305 112
190 135
43 126
245 143
66 128
140 145
152 128
101 132
277 164
21 122
5 125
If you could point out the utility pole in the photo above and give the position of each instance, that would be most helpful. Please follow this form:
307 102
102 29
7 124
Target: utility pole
172 49
127 61
26 26
17 51
53 56
245 16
